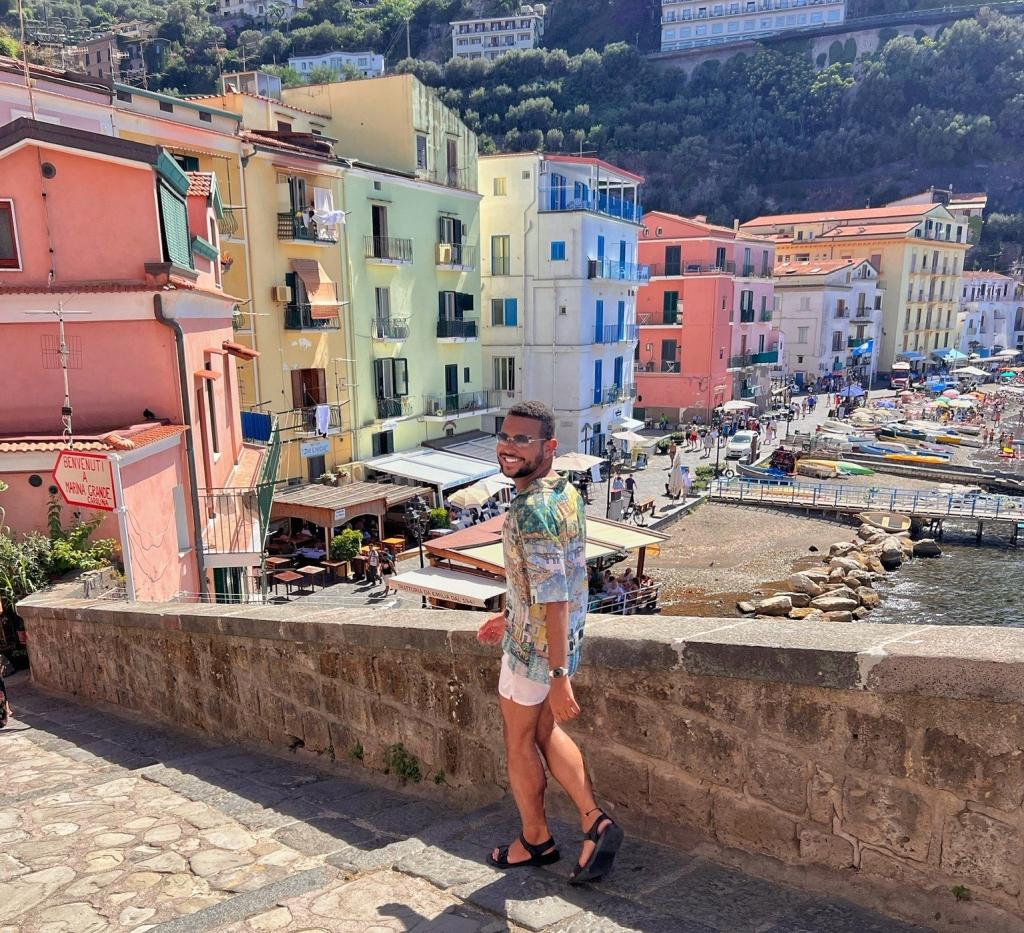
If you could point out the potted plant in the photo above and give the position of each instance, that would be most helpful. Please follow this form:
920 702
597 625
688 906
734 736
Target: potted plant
439 518
346 545
328 479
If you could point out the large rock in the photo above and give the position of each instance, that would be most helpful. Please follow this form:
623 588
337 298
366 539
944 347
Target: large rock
844 563
861 613
803 613
927 547
774 606
818 576
839 616
836 575
829 603
875 565
869 533
802 583
746 606
857 578
891 560
869 598
799 600
841 548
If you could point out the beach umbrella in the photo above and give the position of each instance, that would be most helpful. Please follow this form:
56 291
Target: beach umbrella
1008 375
634 440
737 405
576 462
852 391
469 498
969 371
1006 354
941 403
962 403
951 393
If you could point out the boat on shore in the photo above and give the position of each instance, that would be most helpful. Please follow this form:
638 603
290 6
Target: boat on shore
892 522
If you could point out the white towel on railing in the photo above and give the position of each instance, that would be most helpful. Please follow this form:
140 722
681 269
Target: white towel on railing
323 419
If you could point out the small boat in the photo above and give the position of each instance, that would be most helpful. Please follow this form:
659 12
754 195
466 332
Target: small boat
880 450
916 458
763 474
893 522
819 469
842 467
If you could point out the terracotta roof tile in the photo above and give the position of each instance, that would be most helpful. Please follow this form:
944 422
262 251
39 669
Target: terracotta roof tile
273 100
812 267
867 214
89 287
867 230
200 184
119 439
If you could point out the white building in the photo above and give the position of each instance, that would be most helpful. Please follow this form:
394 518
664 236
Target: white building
690 24
494 35
271 11
989 313
559 242
368 64
830 314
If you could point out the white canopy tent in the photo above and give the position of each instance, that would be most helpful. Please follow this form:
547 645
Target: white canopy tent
448 585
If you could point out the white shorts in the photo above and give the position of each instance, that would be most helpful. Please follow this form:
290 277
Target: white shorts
520 689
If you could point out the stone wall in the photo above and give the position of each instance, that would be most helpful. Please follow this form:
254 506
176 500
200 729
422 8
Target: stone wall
883 763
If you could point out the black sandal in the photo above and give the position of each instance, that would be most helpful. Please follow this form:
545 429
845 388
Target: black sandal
538 855
606 847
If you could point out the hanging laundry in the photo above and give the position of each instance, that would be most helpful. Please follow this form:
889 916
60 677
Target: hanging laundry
323 419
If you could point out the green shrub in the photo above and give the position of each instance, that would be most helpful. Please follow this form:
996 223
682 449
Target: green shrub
402 764
346 545
439 518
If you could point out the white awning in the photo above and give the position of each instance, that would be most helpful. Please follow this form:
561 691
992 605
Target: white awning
449 585
627 424
433 467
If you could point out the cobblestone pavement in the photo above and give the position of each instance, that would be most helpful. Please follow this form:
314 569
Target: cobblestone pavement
109 824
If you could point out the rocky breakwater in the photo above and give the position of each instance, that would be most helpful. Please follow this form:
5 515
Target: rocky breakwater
843 589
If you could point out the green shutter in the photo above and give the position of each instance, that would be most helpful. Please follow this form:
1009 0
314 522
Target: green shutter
174 222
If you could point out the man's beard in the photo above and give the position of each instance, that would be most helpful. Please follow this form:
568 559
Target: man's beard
528 468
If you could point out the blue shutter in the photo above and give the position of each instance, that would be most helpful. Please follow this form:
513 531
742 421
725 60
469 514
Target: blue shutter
597 382
618 371
600 249
174 224
511 312
599 322
620 321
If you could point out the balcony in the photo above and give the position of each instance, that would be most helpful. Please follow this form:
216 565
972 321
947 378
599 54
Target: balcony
613 333
615 393
236 519
387 250
674 270
765 317
450 330
458 257
454 405
841 313
664 319
290 227
863 313
395 407
746 315
390 329
303 421
617 271
558 199
767 358
308 317
741 361
853 342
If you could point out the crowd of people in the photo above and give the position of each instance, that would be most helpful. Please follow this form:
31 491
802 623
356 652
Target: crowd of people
624 594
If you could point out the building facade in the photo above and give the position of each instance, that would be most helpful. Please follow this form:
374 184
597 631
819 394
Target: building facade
706 318
990 304
918 252
560 274
266 11
367 64
491 36
691 24
829 314
146 357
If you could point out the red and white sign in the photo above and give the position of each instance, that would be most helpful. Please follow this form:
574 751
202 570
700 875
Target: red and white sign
85 478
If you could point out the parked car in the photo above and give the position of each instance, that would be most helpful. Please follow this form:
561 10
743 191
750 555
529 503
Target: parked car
742 445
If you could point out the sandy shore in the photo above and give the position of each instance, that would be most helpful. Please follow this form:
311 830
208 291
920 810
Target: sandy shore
722 553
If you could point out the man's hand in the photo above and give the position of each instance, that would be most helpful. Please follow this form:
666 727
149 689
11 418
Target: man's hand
563 704
492 631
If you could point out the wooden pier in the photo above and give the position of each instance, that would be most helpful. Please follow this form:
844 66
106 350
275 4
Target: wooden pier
928 509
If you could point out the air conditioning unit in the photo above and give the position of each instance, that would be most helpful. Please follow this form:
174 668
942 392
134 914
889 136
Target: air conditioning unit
281 293
444 253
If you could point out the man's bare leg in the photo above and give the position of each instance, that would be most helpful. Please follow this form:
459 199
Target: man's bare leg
565 762
525 773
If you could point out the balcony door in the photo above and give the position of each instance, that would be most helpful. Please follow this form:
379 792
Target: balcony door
379 218
558 192
297 194
673 260
451 386
309 388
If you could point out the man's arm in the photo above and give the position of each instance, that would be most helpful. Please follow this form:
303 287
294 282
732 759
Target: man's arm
561 700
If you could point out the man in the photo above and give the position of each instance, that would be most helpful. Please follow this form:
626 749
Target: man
544 541
630 489
618 487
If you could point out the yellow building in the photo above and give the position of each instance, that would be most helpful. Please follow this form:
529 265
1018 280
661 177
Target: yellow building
918 250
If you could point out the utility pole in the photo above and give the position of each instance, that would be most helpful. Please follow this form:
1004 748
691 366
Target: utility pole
408 44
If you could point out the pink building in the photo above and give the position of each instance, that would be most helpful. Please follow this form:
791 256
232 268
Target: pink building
706 333
115 239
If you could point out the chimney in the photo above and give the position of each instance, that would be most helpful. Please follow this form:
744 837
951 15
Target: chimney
736 224
701 218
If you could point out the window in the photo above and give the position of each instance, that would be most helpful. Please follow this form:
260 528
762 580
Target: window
211 414
669 352
500 186
597 381
124 97
501 248
181 518
165 106
9 258
383 443
673 260
557 250
391 378
670 308
205 117
283 126
801 334
421 152
505 373
309 387
505 312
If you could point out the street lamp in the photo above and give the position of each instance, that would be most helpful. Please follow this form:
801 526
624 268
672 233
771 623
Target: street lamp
417 518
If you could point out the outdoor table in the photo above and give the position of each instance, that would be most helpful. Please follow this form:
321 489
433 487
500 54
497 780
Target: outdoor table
334 565
288 578
311 553
359 565
395 545
275 562
311 572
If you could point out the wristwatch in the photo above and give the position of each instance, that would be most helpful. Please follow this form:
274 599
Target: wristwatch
559 672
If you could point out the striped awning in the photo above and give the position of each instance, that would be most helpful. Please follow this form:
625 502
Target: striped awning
321 292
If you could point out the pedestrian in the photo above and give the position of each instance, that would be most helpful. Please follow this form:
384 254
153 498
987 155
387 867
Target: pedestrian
671 453
618 487
706 442
387 567
630 489
373 565
5 707
674 486
769 433
541 631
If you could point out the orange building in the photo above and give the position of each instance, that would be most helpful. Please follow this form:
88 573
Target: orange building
110 286
706 331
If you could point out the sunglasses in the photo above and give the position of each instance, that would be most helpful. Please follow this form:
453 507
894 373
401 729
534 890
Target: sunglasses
518 440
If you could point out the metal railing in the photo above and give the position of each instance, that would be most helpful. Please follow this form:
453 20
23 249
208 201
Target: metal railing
740 360
400 406
746 315
639 601
925 503
768 356
461 255
290 227
452 329
853 342
765 316
618 393
617 271
558 198
672 270
303 420
387 248
390 328
614 333
300 317
461 403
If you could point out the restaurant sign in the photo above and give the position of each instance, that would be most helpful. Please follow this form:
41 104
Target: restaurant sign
86 479
315 449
